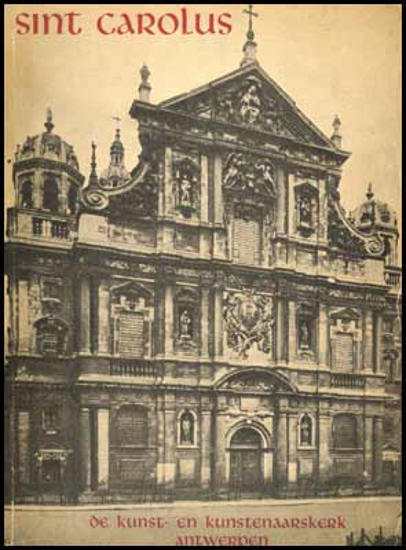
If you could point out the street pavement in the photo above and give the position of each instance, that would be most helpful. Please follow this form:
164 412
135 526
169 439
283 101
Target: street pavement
321 522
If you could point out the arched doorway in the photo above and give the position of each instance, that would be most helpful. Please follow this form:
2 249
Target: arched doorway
246 470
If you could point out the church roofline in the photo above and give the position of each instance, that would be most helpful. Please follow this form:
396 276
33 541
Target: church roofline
246 69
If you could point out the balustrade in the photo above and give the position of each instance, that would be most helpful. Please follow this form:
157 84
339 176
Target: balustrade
133 367
347 380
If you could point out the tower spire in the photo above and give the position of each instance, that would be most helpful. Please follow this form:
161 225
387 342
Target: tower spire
370 193
250 46
93 174
49 125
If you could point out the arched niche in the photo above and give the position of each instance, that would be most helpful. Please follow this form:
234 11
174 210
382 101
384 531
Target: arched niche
187 320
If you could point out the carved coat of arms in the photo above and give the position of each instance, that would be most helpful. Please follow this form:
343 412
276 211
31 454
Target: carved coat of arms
249 319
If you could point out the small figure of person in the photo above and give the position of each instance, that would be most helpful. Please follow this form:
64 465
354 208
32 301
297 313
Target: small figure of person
306 211
185 191
250 104
185 325
305 431
186 429
304 336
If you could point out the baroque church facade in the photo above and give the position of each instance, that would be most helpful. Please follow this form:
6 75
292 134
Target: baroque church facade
210 323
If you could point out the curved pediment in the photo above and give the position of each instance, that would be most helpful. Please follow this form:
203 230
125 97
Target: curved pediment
255 379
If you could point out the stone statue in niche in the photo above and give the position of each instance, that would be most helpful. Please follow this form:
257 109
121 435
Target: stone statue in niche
185 192
306 431
186 429
305 210
304 334
187 178
250 103
185 325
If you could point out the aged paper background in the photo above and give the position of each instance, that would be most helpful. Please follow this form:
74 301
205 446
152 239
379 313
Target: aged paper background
330 59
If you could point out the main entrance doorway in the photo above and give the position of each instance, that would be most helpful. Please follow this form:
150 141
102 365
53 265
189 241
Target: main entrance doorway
246 471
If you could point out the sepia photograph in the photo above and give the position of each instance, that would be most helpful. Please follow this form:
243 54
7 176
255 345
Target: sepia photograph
203 281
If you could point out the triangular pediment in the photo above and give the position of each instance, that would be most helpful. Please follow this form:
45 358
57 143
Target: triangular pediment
248 97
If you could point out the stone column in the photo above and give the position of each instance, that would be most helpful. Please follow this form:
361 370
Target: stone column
168 196
169 328
282 451
23 316
104 317
218 191
377 447
206 416
378 343
323 211
84 333
218 318
205 321
38 189
63 195
368 443
291 205
368 339
281 200
292 466
85 449
324 446
170 441
292 344
281 330
222 455
323 335
160 440
204 189
103 447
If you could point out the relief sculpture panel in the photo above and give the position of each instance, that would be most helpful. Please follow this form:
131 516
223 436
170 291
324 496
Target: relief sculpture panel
249 322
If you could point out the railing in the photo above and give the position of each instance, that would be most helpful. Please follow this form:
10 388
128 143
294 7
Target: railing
134 367
392 276
55 229
39 225
344 380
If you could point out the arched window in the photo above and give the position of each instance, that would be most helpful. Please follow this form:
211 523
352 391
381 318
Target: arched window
51 418
345 431
187 428
132 426
50 201
72 199
26 194
306 431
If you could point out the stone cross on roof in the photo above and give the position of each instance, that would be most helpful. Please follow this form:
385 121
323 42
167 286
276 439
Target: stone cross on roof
251 14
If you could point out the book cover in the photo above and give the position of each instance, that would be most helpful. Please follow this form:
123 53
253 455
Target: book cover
202 275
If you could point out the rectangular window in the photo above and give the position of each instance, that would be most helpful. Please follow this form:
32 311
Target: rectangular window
345 432
247 241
